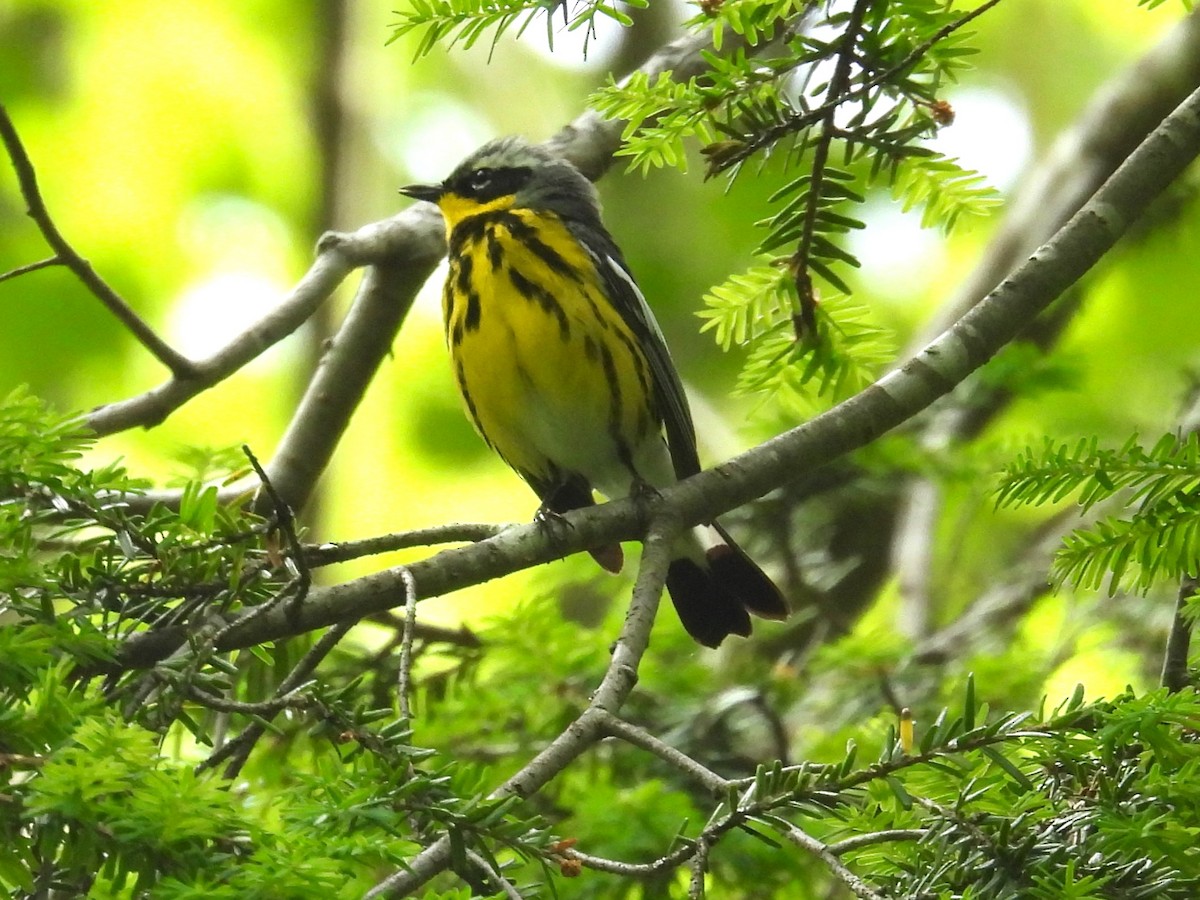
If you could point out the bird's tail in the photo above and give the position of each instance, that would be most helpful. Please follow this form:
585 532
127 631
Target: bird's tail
716 586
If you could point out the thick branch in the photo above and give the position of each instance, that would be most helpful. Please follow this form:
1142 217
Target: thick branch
350 361
156 404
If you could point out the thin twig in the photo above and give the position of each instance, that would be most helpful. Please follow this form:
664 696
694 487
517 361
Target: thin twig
285 522
821 850
462 636
858 841
404 676
699 868
31 267
180 366
671 860
237 751
453 533
494 878
638 737
291 700
801 121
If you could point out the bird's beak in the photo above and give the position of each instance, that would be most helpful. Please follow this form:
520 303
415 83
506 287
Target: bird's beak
430 192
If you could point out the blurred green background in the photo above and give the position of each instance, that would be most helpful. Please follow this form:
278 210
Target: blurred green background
195 151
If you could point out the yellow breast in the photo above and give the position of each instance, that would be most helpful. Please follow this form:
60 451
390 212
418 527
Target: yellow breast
551 375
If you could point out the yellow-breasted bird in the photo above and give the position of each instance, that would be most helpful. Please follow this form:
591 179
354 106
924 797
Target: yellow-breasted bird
564 371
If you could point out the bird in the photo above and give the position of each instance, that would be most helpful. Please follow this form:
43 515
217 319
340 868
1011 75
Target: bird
564 371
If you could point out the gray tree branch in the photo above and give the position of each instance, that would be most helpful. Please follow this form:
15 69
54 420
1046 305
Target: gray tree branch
928 375
1120 115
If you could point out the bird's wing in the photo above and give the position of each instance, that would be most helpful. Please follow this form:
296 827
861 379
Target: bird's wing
629 301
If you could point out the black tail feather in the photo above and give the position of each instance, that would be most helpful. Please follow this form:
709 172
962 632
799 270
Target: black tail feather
743 578
708 611
714 601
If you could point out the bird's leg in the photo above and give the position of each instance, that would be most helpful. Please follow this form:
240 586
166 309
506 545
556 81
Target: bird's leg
574 494
550 520
643 492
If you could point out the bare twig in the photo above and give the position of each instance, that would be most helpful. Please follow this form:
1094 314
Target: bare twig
858 841
285 522
237 751
699 868
821 850
671 860
404 676
151 407
291 700
494 878
454 533
65 254
31 267
423 631
713 783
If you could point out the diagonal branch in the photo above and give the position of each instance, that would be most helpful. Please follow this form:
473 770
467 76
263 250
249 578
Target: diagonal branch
66 255
589 727
1122 112
932 373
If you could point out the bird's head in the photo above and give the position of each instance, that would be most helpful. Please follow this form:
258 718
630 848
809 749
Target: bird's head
510 173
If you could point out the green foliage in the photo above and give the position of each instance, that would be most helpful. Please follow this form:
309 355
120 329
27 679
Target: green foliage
946 191
1159 539
1150 4
466 21
1007 806
871 114
103 796
844 354
96 801
110 780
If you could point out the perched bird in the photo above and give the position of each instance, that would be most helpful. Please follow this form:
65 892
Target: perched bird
564 371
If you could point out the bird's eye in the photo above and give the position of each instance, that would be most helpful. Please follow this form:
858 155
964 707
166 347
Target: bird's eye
479 179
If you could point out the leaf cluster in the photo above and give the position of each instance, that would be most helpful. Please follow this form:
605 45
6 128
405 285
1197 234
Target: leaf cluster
1156 538
465 22
847 98
101 795
100 798
1004 806
841 356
